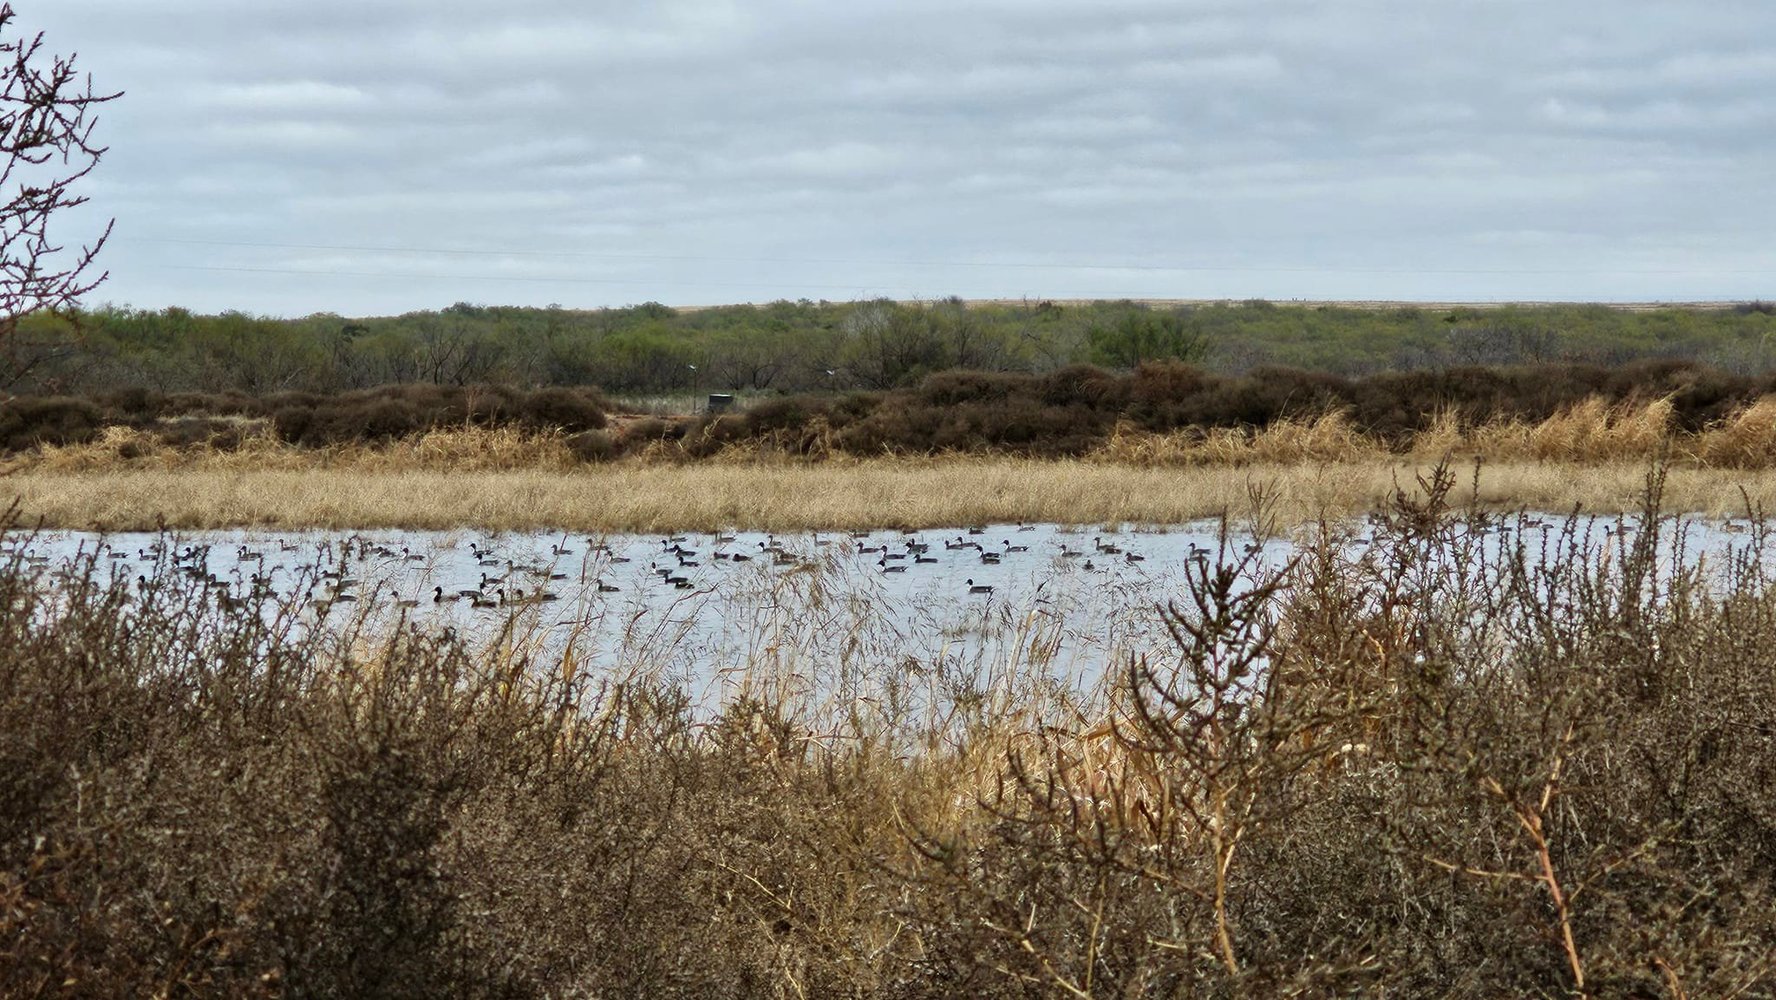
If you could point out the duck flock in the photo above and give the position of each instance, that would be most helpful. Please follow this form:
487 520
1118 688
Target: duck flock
708 595
413 570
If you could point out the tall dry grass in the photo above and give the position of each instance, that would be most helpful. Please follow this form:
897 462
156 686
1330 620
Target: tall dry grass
905 494
1746 440
467 448
1590 432
1588 456
1330 437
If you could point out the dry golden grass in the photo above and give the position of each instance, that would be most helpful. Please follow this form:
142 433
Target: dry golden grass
1591 456
1330 438
1591 432
899 493
1745 441
475 449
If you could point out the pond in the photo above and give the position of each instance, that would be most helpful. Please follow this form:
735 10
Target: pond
720 613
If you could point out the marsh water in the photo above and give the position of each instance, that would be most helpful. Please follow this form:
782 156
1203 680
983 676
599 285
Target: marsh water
722 611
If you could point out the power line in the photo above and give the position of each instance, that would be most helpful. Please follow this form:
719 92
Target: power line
1007 265
491 277
858 292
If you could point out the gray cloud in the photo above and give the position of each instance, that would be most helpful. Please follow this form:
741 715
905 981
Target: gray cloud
706 151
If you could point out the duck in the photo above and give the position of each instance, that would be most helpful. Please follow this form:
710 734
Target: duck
978 588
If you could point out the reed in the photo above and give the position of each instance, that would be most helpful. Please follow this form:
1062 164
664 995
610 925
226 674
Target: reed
1593 431
508 477
1745 440
849 495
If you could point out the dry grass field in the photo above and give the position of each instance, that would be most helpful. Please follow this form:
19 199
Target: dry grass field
1591 457
887 493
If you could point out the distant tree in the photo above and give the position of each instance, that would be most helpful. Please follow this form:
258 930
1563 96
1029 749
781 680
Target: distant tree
450 350
890 345
747 358
47 116
1502 343
1139 335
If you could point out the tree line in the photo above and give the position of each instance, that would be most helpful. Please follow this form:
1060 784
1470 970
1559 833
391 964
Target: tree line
805 346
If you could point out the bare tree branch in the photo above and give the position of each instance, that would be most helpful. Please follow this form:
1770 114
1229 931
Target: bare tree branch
47 118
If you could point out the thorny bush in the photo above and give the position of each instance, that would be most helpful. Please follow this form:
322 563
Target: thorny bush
1463 756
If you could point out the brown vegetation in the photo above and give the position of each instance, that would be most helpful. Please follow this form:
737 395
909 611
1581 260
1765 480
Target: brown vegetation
1071 412
651 497
224 420
1461 763
1078 446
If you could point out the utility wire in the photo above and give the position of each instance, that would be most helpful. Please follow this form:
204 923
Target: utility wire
484 277
859 292
1008 265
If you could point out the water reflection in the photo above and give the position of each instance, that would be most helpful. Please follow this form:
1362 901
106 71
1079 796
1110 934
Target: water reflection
826 610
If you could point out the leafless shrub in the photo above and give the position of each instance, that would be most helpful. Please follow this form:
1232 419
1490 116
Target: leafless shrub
1463 756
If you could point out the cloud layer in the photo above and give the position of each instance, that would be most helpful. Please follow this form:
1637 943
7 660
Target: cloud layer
696 151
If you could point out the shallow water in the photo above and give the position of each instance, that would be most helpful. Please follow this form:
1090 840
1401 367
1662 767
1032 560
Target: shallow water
723 611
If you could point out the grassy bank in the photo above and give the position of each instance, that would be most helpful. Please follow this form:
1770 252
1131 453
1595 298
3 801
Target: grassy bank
1437 766
1591 456
1593 459
903 494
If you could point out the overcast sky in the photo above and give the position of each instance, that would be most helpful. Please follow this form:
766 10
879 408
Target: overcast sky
377 156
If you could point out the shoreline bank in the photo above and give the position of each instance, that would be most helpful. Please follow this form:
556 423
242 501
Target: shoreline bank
887 493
